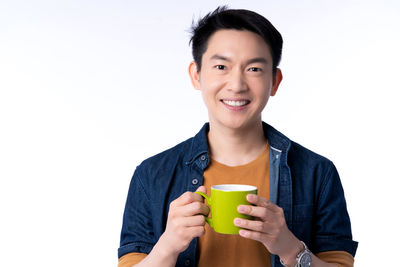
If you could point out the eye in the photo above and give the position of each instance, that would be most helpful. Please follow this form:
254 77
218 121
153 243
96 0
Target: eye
254 69
220 67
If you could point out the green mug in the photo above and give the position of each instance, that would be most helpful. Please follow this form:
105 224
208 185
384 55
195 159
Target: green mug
223 203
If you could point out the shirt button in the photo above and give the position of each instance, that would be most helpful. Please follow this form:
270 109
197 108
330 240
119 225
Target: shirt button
195 181
203 157
187 262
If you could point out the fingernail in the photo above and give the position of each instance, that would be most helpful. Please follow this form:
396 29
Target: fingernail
242 232
250 197
237 221
242 209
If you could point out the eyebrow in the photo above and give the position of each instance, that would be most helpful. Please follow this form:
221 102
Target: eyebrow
250 61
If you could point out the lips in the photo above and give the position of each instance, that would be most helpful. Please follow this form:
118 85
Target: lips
235 103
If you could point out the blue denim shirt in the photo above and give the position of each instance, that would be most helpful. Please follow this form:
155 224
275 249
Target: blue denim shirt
305 185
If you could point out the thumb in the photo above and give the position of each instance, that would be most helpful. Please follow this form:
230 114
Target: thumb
202 189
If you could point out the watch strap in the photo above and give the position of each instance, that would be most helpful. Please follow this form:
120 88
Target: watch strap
301 254
305 250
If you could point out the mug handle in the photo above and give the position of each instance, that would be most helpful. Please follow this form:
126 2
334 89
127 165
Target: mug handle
208 220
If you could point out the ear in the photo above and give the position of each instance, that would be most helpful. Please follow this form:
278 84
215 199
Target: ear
194 75
277 80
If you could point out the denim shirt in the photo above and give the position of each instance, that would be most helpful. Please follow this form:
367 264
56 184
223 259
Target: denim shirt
305 185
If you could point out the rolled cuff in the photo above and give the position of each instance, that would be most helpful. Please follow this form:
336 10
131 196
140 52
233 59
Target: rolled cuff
332 244
135 247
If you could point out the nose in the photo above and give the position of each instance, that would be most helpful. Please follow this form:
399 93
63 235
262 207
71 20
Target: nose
237 82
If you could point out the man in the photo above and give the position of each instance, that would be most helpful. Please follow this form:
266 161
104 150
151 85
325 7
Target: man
300 211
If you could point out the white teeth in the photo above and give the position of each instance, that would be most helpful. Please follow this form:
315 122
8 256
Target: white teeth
235 103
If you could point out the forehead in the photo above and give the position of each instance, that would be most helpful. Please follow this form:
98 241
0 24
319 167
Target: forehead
235 43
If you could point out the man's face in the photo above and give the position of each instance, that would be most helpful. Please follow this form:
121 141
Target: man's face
236 78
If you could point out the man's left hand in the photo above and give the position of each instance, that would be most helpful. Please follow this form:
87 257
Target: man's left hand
268 227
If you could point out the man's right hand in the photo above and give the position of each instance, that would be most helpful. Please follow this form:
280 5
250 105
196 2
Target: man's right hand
185 221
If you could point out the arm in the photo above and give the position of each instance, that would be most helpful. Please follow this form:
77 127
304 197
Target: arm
332 227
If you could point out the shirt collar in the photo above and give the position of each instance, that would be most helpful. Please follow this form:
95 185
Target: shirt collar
199 146
276 139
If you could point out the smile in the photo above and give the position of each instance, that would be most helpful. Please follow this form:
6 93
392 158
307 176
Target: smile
236 103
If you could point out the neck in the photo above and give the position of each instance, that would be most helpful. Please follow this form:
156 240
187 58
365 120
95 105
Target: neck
234 147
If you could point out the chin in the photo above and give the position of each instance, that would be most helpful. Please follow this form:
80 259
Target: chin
236 124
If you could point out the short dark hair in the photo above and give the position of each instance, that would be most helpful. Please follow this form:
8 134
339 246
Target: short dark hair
239 19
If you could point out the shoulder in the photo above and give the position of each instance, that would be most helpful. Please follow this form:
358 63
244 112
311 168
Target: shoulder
181 153
297 154
171 156
156 173
302 155
306 163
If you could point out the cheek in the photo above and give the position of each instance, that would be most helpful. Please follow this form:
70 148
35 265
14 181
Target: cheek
210 87
267 89
264 94
268 85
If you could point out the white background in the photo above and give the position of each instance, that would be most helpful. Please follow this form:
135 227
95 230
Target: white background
88 89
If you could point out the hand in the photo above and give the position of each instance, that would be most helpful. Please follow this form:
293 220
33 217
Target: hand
185 221
269 227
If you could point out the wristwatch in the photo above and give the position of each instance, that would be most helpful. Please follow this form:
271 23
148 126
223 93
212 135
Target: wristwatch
303 259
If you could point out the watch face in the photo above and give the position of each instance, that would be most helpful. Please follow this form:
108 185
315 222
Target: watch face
305 260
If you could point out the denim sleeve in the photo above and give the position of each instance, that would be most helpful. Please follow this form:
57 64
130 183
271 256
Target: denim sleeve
137 233
332 225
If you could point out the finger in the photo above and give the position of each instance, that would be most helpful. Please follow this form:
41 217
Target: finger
202 189
258 226
187 233
262 202
185 222
258 236
192 209
259 212
193 221
196 231
257 200
186 198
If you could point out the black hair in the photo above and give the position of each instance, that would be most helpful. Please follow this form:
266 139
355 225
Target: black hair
239 19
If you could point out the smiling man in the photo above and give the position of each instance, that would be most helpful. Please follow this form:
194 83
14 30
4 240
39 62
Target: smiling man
300 211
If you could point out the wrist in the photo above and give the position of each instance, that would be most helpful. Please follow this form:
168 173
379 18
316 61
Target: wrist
165 251
289 257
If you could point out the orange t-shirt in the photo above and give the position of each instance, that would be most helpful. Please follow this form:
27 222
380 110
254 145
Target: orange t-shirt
216 249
